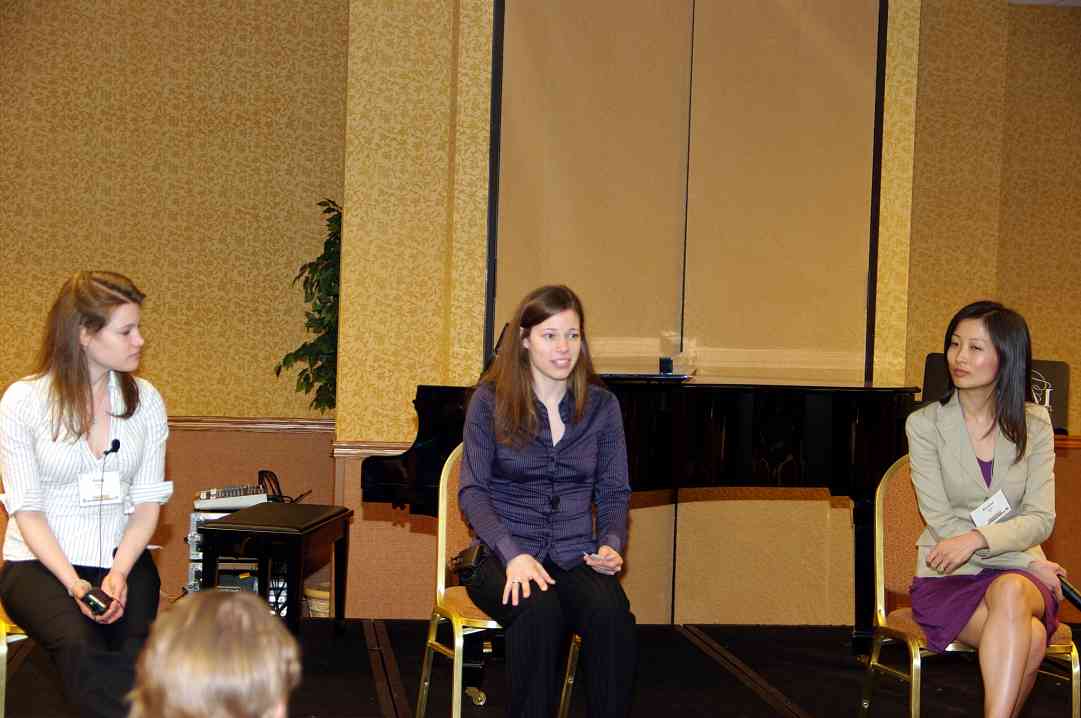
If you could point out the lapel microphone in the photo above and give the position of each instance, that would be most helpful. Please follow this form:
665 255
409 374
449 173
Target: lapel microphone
96 599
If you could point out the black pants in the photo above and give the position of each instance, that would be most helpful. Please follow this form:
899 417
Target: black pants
583 601
96 662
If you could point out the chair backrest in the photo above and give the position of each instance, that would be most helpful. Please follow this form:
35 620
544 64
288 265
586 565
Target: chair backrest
452 532
898 524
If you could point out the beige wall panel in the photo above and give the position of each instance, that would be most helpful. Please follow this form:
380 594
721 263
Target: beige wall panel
779 195
593 165
958 168
895 212
391 560
183 144
1039 261
647 575
416 185
785 560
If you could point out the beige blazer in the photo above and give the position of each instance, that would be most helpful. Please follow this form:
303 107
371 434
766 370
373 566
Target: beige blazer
949 486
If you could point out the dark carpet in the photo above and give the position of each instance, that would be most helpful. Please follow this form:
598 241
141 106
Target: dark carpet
372 670
815 668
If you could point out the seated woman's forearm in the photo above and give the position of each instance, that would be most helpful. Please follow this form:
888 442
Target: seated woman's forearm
39 537
141 526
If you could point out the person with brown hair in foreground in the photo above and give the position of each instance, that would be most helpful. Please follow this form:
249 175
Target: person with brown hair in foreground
216 654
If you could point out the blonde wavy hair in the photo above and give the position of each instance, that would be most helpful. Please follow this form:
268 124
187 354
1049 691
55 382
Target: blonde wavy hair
216 654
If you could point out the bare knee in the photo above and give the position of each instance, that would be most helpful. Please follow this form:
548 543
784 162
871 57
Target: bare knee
1014 595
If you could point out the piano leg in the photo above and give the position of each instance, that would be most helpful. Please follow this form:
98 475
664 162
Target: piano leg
863 534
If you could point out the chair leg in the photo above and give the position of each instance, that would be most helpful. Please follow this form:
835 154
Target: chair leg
426 668
4 667
915 666
568 677
459 661
869 676
1075 684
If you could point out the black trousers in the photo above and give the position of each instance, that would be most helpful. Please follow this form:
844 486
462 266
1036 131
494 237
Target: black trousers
96 662
538 629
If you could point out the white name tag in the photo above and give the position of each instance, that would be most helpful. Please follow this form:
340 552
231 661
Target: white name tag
991 510
97 489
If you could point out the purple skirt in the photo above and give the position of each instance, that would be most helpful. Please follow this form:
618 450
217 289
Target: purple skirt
942 606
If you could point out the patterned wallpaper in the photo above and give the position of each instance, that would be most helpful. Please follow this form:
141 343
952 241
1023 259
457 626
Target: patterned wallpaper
957 169
1038 259
895 211
183 144
416 178
995 176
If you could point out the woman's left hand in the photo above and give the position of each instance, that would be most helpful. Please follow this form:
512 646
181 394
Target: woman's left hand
116 585
607 561
949 554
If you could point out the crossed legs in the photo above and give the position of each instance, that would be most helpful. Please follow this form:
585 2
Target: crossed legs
1011 640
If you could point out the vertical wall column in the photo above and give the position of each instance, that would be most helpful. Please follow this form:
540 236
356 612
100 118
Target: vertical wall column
416 193
957 168
414 248
895 213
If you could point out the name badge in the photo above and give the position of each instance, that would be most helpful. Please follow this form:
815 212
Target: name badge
991 510
97 489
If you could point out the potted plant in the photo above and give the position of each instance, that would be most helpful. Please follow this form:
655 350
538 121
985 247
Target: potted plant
318 357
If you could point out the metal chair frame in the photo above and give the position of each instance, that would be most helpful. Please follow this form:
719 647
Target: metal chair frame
916 643
449 602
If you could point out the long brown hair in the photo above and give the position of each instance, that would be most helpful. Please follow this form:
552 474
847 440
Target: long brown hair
515 414
86 301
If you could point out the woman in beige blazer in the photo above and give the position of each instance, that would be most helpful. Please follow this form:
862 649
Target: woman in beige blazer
983 468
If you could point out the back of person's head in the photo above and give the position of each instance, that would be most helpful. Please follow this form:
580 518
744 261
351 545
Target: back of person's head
510 373
216 654
1013 345
86 302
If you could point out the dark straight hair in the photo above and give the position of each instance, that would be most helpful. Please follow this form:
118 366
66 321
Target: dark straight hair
1013 345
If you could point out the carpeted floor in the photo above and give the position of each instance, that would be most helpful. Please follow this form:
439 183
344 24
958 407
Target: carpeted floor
373 669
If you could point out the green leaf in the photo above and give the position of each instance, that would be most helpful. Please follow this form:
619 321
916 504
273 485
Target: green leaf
320 280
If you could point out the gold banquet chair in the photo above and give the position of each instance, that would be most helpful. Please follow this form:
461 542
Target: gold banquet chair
898 524
9 633
453 604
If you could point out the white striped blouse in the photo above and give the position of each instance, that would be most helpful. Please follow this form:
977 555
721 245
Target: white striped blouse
41 474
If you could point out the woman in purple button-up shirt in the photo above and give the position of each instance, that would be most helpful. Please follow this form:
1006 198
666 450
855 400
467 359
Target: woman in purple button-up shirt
544 445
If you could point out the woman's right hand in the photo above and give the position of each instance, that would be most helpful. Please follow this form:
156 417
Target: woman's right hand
1048 572
79 589
522 569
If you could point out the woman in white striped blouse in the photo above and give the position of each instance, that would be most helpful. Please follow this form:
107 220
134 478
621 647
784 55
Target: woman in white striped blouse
82 457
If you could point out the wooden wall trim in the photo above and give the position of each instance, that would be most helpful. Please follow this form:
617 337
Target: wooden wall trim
362 449
1068 442
261 424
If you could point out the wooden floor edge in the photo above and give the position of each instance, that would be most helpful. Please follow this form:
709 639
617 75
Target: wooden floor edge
746 675
376 656
398 694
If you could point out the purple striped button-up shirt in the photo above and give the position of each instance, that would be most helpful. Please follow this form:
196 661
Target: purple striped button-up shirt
537 498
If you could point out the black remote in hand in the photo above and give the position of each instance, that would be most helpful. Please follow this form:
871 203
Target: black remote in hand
97 600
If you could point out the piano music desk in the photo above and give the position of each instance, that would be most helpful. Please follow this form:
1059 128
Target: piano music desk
273 532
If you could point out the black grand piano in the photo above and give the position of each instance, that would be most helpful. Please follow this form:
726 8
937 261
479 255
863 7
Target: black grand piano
684 434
